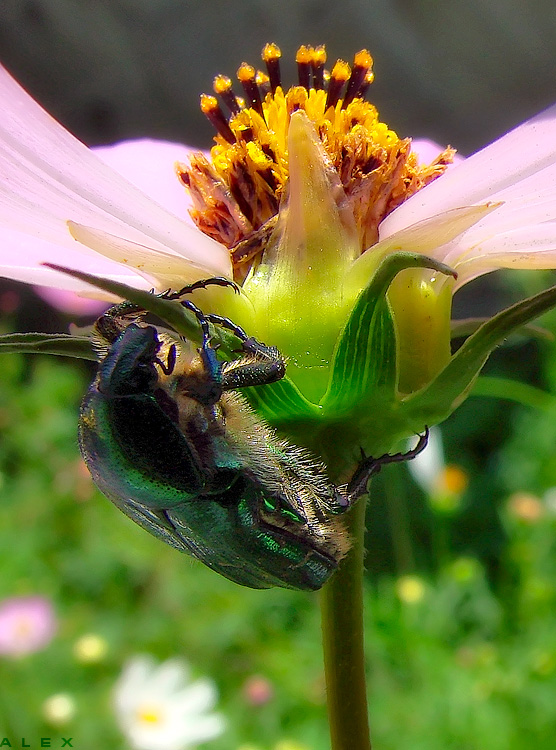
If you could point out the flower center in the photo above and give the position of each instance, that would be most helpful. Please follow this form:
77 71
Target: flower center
236 194
150 714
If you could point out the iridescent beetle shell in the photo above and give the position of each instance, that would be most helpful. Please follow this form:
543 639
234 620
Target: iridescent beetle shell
170 441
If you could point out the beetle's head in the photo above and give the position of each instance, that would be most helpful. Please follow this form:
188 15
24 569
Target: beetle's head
129 367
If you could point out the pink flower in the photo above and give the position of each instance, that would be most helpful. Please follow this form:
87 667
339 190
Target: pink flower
257 690
27 624
49 179
62 203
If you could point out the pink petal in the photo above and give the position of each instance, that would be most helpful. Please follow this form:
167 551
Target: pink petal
527 247
492 174
517 176
49 177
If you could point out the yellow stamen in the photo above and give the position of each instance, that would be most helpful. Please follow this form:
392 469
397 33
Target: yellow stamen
246 73
238 191
222 84
271 52
304 54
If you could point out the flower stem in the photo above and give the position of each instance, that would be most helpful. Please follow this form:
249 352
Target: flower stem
344 655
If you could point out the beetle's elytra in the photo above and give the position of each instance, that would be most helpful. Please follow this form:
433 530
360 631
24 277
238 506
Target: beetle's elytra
170 441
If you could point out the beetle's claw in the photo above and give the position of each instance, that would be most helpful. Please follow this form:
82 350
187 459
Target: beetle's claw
370 466
201 284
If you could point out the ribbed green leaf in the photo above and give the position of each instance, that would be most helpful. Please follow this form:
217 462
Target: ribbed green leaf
446 392
281 402
365 355
171 312
60 344
466 326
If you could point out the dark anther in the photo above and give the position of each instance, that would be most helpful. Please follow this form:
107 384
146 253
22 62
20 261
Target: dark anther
369 78
263 82
361 65
271 57
245 134
211 108
303 60
340 74
318 59
247 77
222 86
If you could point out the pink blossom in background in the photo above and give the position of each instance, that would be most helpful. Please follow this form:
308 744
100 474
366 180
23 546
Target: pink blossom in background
27 624
257 690
70 302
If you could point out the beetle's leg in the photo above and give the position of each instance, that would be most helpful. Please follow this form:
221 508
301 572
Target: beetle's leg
202 284
168 366
265 366
220 320
370 466
207 390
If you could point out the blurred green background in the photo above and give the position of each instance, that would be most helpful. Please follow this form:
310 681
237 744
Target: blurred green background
461 581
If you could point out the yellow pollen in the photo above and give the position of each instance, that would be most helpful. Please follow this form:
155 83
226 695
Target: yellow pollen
271 52
236 194
222 84
369 78
318 56
304 54
261 79
341 71
246 72
363 59
208 103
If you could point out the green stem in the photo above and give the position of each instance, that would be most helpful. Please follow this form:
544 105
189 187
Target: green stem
344 655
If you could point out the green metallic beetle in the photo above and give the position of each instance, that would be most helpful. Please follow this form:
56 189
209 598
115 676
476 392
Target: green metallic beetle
169 440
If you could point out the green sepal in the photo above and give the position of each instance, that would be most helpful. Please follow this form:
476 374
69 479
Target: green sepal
170 311
61 344
452 385
365 357
281 402
466 326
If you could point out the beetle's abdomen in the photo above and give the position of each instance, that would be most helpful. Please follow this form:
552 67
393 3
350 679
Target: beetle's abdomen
229 535
134 450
